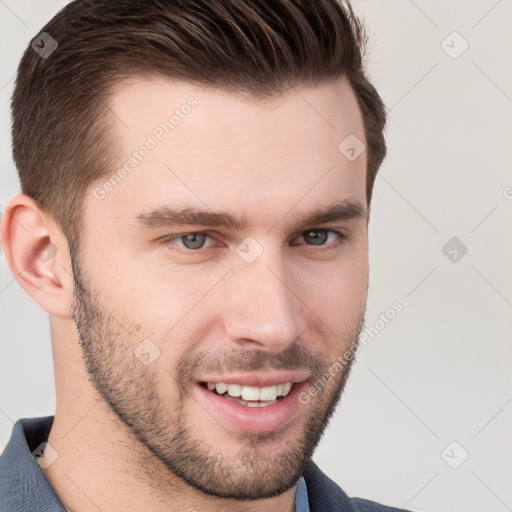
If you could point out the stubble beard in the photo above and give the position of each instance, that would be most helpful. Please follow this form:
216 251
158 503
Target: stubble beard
254 469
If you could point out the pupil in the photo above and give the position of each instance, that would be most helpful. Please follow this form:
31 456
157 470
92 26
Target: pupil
317 237
195 240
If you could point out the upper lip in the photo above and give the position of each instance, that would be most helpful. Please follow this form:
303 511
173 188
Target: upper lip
260 380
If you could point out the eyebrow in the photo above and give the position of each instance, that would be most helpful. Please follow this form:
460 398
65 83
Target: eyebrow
169 217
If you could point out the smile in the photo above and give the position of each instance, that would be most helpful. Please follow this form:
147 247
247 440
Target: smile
252 403
251 396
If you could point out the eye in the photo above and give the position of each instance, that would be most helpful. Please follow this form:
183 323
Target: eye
191 241
320 236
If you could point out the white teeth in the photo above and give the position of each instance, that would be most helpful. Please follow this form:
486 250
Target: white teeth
286 388
250 404
250 393
259 404
221 388
234 390
264 404
267 394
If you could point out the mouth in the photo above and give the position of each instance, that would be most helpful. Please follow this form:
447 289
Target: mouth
251 404
250 396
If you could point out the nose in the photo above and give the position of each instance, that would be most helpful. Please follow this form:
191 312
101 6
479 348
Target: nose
262 308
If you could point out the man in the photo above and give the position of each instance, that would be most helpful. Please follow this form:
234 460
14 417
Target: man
196 183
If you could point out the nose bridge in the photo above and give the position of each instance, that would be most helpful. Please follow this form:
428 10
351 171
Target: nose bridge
263 307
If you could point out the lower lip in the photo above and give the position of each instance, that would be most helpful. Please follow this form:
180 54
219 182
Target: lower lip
252 419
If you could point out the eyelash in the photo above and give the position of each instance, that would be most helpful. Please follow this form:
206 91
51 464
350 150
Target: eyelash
169 241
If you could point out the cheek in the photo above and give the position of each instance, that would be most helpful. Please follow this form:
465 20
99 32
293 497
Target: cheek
158 297
335 297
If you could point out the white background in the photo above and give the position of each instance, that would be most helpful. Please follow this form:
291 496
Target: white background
440 370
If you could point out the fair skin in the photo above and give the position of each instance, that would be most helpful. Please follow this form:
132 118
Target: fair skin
284 317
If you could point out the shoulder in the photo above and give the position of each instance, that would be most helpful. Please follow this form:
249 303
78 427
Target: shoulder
23 486
325 495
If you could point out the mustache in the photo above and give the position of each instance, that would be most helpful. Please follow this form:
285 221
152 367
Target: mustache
294 357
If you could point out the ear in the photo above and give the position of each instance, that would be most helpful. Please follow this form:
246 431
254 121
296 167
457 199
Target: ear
37 253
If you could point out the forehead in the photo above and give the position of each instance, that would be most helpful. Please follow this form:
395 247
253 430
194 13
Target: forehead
178 142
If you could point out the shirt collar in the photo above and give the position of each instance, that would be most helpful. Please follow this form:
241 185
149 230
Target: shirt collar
23 485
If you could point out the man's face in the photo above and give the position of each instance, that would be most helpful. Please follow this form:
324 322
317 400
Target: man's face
192 333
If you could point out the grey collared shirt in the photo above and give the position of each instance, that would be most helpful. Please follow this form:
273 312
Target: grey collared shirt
23 486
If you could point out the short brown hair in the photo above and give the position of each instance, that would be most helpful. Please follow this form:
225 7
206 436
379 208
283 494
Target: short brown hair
60 116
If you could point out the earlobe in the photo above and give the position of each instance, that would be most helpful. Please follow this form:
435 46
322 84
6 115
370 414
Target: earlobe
36 251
